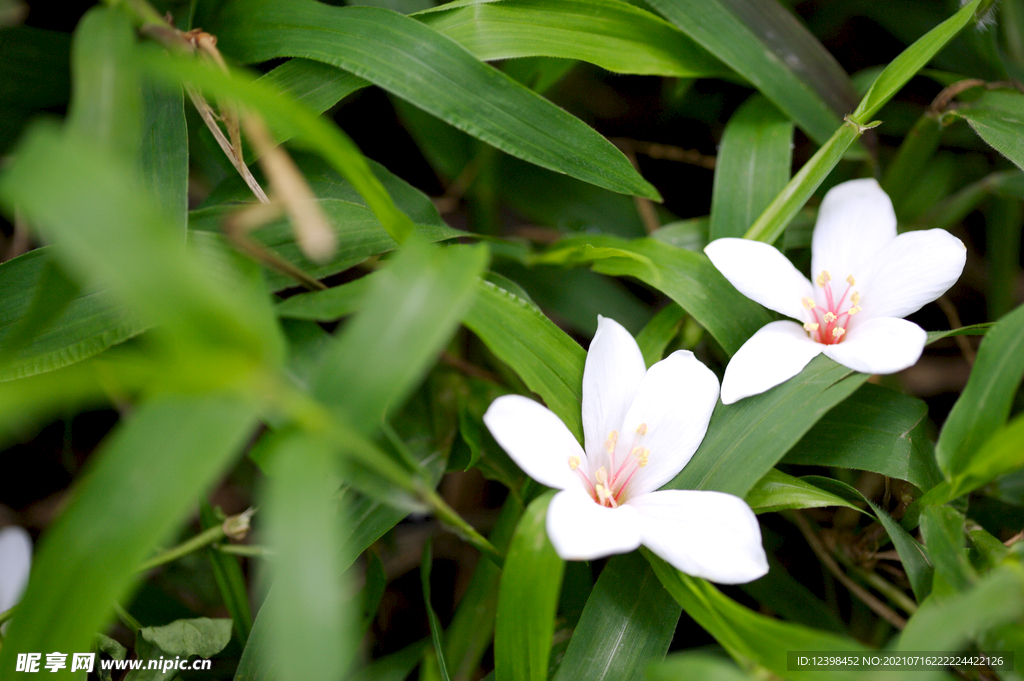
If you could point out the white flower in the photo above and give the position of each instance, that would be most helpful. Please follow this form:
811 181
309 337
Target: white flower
640 427
15 561
866 280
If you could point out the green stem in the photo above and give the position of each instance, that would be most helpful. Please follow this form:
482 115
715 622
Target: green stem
244 550
197 542
126 618
7 614
770 225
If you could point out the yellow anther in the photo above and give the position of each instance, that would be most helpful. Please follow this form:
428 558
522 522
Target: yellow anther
604 496
853 310
838 332
601 475
811 326
829 317
641 429
851 281
823 278
808 303
613 439
574 462
642 457
855 298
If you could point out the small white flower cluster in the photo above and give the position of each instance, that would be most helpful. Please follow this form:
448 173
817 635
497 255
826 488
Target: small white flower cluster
641 426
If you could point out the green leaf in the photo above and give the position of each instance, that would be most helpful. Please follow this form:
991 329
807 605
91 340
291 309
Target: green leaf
281 113
659 332
614 35
942 528
316 85
410 311
436 631
1000 126
163 158
112 236
107 97
359 232
752 166
950 623
763 42
202 636
777 491
531 582
694 666
394 667
746 439
984 405
1001 453
913 556
771 223
686 277
972 330
627 623
910 61
752 639
875 429
433 72
313 628
330 305
140 487
548 361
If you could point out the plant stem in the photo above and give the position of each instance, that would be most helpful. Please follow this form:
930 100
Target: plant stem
197 542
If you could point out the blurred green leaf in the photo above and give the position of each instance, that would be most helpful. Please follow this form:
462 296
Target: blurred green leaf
746 439
313 627
139 487
614 35
764 43
201 636
875 429
1001 453
688 278
912 158
777 491
436 74
984 405
942 528
394 667
164 154
531 581
659 332
1002 246
627 623
752 166
106 105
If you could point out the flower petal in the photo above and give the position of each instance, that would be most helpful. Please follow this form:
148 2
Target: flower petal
761 273
674 402
611 375
15 562
536 439
703 533
914 269
880 346
855 221
773 355
580 529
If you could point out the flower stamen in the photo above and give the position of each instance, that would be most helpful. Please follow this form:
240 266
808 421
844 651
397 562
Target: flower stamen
829 318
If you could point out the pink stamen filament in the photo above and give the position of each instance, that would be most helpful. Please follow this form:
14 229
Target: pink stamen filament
826 329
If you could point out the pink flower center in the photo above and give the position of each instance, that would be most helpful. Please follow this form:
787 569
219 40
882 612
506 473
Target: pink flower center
609 482
829 314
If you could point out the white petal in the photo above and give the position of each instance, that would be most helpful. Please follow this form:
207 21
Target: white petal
15 562
580 529
914 269
703 533
674 401
536 439
761 273
611 375
855 221
773 355
880 346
